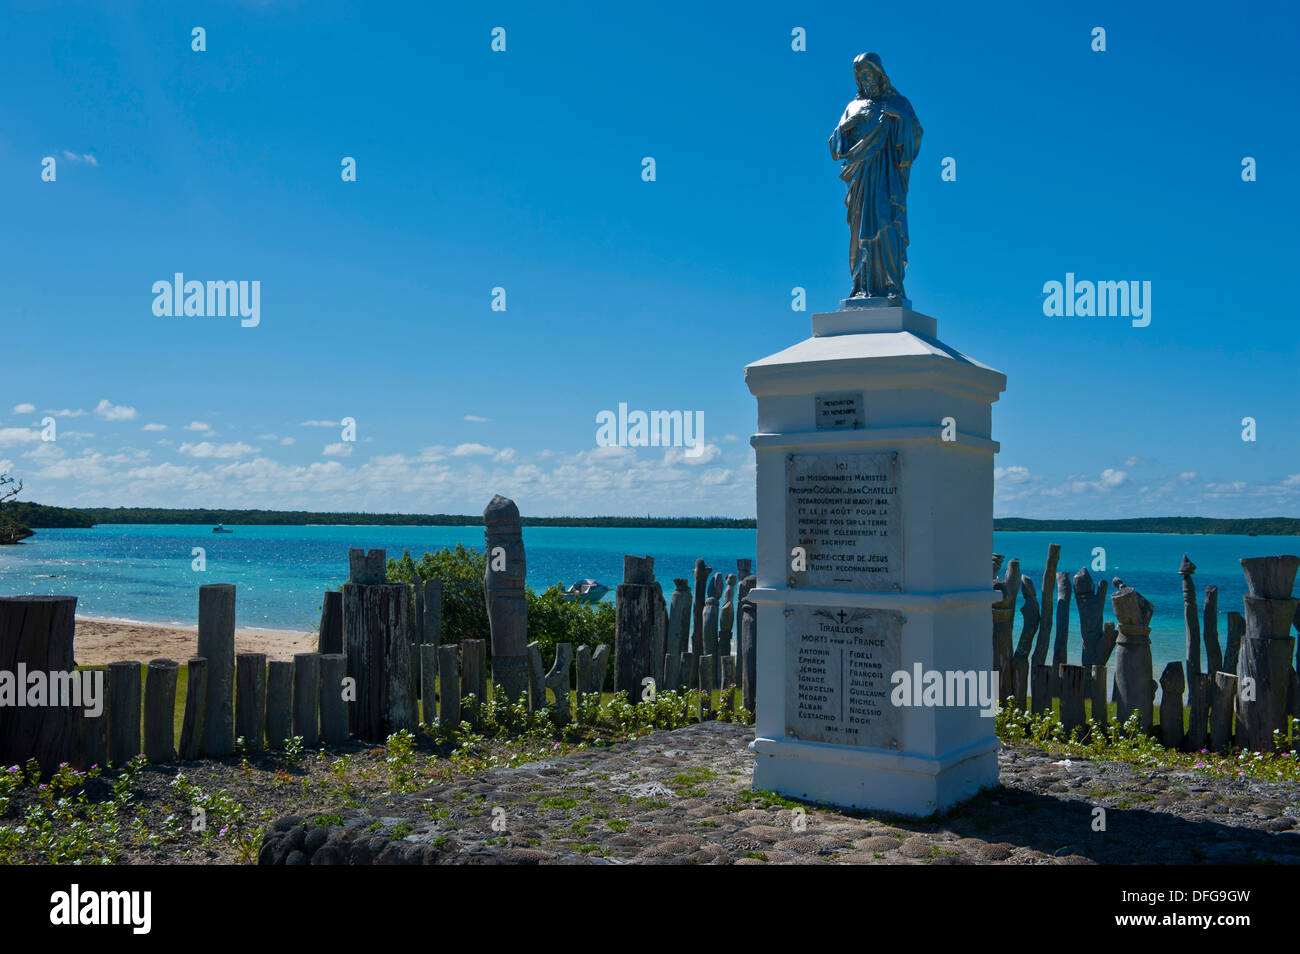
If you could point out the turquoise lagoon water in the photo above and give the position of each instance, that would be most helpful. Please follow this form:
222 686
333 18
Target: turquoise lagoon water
144 572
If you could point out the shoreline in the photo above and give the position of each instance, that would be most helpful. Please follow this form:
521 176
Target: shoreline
99 641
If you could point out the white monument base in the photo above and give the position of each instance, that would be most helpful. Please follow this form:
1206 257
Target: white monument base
875 530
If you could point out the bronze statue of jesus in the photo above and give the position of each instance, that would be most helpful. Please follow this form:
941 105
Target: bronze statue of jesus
877 138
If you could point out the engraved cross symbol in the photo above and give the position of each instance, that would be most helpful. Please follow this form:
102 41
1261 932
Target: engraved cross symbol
842 615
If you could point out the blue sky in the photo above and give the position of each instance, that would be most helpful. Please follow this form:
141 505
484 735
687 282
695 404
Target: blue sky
522 170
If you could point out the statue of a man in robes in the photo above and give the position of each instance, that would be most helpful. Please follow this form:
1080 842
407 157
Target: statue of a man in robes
877 137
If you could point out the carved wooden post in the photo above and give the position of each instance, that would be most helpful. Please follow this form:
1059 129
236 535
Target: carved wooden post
196 692
1047 611
36 632
160 710
1191 622
250 698
1061 648
1134 687
744 659
503 588
727 616
592 667
536 678
679 620
659 634
333 710
713 594
1072 714
1020 661
702 571
331 623
429 680
1004 613
749 650
217 646
1171 705
1213 653
1266 650
706 687
92 730
448 685
1090 599
1225 696
1040 694
279 702
557 680
635 614
672 671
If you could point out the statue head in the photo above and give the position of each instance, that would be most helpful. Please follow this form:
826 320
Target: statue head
873 83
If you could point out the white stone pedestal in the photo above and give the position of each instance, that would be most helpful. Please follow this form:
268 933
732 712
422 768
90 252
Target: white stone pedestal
874 458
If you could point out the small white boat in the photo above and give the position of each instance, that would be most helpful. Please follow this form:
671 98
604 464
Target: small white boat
220 529
586 591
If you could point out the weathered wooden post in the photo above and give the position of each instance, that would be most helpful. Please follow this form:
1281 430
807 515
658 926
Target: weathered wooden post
217 646
250 699
727 615
503 588
749 649
36 633
678 637
196 704
1225 696
123 711
1047 611
331 623
592 666
747 583
160 710
1004 615
1266 650
1134 687
473 679
1198 711
279 702
1232 649
659 634
536 678
1100 711
1020 661
448 685
702 571
672 671
1040 692
333 710
1213 653
92 731
706 686
634 626
432 604
1072 714
1171 706
1090 600
1191 621
429 680
713 594
689 665
306 697
377 639
557 680
1061 649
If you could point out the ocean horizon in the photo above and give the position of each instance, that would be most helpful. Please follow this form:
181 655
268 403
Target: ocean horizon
143 572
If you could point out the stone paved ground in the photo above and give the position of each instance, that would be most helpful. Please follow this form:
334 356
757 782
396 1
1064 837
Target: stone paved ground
683 797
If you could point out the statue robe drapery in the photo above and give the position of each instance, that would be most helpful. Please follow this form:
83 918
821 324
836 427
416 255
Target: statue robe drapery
877 151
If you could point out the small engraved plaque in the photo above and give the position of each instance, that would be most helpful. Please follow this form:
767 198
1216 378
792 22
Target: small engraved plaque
838 412
839 666
843 524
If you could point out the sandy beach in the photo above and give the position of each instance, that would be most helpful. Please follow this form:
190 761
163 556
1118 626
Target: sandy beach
98 642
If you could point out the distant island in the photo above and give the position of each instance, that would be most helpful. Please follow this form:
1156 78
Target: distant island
38 516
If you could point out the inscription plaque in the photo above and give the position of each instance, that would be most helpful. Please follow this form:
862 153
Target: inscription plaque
838 667
838 412
842 513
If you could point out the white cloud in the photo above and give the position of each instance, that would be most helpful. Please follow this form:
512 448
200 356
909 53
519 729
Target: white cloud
504 455
691 456
1011 475
476 419
1191 475
286 441
66 412
18 435
113 412
85 157
202 426
339 449
207 449
1133 462
24 408
319 424
154 427
470 450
